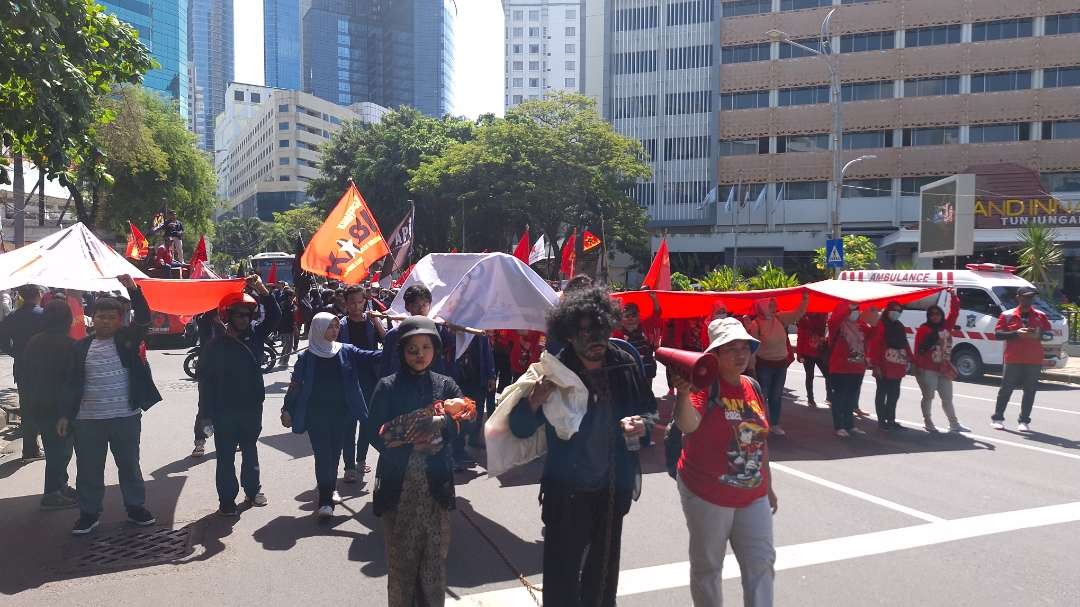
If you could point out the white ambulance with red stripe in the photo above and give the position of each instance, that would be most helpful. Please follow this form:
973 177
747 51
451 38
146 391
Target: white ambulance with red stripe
985 291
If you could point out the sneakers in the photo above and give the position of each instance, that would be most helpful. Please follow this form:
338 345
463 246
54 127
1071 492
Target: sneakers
842 433
57 501
324 512
258 500
897 427
33 457
335 497
861 413
1022 427
958 428
351 476
85 524
141 517
857 431
884 426
996 425
931 428
200 449
810 403
777 431
69 491
228 510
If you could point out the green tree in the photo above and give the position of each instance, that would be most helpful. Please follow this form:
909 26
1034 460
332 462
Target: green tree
380 158
552 164
237 239
724 278
1040 256
860 253
681 282
771 277
303 220
152 158
57 59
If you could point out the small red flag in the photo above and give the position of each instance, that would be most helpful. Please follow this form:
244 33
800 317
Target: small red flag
401 279
200 251
569 256
659 276
271 276
521 251
138 247
589 241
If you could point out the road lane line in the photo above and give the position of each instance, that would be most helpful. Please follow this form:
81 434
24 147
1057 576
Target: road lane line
677 575
873 499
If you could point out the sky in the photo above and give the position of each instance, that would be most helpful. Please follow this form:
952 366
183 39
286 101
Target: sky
479 52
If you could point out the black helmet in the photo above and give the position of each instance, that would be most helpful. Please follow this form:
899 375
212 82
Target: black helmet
419 325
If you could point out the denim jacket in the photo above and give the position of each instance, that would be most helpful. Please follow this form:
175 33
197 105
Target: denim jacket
353 361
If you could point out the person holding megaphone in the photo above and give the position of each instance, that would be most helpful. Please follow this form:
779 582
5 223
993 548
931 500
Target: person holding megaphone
723 472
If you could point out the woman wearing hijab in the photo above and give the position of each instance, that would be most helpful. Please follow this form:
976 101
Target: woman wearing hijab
848 334
774 355
325 400
933 362
891 357
812 351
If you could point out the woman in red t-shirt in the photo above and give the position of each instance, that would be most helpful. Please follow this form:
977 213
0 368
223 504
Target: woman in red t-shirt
848 334
933 362
723 472
890 356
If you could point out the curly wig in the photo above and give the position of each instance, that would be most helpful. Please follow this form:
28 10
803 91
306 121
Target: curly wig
592 302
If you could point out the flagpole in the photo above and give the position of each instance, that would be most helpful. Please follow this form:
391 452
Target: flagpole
735 223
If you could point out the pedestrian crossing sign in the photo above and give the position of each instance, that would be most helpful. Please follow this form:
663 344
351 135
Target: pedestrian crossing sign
834 253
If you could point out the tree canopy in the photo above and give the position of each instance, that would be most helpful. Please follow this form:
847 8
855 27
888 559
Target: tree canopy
860 253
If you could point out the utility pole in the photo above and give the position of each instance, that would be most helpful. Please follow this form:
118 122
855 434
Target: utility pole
19 196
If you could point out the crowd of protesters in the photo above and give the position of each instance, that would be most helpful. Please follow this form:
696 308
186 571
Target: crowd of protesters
399 386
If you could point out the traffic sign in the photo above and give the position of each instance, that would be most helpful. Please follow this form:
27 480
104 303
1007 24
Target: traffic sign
834 253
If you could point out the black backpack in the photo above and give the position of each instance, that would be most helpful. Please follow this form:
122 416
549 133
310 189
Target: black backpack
673 443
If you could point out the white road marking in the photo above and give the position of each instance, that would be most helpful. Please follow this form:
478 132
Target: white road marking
677 575
873 499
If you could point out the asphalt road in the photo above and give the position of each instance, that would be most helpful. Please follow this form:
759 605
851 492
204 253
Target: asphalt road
983 518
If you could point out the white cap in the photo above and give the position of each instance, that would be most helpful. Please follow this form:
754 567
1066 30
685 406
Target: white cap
726 330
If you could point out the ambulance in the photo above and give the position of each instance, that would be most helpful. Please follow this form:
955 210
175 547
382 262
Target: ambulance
985 291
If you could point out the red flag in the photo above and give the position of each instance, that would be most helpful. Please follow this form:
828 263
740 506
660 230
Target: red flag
659 276
348 243
138 247
200 251
521 251
401 279
568 256
375 276
271 275
589 241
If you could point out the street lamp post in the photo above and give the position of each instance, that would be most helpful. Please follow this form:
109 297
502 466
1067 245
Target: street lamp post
832 59
843 171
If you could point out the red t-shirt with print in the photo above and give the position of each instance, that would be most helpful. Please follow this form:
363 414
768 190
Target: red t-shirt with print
723 462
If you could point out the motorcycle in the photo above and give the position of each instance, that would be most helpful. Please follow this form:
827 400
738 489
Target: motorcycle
191 361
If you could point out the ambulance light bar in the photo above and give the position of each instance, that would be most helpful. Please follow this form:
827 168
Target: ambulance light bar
990 267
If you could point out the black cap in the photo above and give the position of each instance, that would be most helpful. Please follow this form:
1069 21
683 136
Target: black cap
419 325
1027 292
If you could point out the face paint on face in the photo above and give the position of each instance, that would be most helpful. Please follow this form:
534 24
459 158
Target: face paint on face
591 340
419 352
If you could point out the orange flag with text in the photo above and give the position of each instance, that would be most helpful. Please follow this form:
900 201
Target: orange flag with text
349 242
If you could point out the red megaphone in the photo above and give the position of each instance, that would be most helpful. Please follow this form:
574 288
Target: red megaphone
701 368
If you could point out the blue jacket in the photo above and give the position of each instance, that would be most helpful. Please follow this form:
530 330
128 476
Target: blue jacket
480 354
443 365
352 360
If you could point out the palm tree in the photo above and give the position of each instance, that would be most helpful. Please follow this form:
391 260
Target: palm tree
1040 255
771 277
724 278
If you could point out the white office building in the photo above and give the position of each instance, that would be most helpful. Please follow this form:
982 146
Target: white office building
543 48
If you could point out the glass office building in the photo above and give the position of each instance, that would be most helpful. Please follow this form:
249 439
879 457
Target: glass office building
163 28
281 44
389 52
210 44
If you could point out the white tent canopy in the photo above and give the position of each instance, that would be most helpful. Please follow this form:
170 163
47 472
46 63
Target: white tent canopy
72 258
482 291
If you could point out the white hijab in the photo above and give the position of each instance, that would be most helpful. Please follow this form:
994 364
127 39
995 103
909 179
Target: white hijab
317 342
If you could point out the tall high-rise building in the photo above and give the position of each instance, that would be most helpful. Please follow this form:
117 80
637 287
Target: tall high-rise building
210 45
388 52
543 48
281 43
163 28
727 111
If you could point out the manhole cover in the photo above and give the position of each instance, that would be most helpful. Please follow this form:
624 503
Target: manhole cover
133 549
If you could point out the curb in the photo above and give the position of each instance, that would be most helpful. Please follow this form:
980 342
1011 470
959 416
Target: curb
1067 378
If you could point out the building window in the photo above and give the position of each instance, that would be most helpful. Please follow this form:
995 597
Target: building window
868 140
343 52
871 41
867 91
343 39
634 107
806 190
238 95
519 66
571 32
686 148
738 147
534 83
570 83
788 51
804 95
932 36
910 186
1000 81
518 99
519 32
534 15
1061 129
283 178
283 161
283 126
519 15
696 11
570 49
534 66
742 53
1063 24
344 86
1061 182
283 143
256 98
1061 76
571 66
1002 29
798 5
696 102
519 82
342 63
344 98
534 32
534 49
803 143
1000 133
690 57
516 49
629 19
634 62
744 101
932 136
867 188
343 26
929 87
284 107
745 7
571 13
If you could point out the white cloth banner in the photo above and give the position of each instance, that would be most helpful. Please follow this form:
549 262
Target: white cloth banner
72 258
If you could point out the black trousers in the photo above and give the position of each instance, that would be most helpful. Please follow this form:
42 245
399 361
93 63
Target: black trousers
355 451
58 451
230 430
328 432
888 392
576 526
808 368
846 390
469 429
29 432
1022 376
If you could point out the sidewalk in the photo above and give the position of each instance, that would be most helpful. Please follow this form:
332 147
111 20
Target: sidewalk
1069 374
8 396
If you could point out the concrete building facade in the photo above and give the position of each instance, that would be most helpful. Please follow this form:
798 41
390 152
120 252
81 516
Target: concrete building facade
543 48
928 87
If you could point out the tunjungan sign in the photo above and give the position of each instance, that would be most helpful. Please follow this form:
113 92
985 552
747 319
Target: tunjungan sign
1018 212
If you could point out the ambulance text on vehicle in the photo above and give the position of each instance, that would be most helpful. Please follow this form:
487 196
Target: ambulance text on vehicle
985 291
